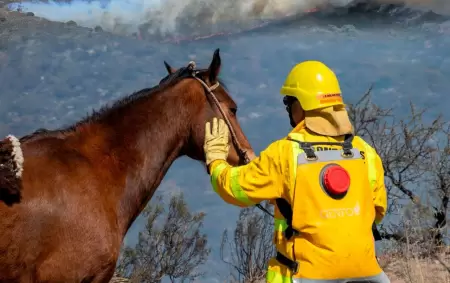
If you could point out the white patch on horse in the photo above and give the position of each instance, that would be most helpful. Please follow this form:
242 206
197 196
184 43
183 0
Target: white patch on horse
17 155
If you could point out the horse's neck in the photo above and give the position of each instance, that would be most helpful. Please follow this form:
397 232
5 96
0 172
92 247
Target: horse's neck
142 146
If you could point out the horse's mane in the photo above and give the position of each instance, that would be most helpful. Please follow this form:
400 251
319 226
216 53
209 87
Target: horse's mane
166 82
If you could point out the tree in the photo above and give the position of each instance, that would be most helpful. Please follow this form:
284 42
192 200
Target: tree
416 160
171 246
251 247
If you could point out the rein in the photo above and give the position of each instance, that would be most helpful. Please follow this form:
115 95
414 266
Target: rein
241 152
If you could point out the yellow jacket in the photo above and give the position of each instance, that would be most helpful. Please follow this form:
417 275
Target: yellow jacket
271 176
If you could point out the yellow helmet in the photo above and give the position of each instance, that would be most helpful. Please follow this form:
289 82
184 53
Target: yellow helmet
314 85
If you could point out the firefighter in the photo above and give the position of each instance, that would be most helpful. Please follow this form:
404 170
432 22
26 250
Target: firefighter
327 185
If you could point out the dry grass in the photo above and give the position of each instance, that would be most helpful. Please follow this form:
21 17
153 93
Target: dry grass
117 279
410 268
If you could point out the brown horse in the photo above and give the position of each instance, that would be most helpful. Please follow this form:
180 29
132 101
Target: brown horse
68 197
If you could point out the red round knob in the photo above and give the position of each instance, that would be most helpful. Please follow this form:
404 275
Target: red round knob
336 180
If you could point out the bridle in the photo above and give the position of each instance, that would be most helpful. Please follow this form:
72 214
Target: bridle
210 90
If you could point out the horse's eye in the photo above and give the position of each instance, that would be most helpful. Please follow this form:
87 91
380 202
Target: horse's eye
233 110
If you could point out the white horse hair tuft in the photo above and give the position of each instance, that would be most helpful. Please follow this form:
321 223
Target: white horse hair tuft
17 155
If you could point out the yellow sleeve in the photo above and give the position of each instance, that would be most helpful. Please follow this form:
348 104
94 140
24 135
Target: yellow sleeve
261 179
376 178
379 191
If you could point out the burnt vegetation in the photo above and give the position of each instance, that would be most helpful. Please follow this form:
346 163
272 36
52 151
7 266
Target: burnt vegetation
171 246
416 159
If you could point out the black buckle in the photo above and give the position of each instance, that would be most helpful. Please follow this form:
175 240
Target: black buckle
347 145
290 232
309 151
292 265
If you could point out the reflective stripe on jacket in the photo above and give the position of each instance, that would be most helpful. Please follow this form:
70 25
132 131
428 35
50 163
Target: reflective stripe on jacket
272 175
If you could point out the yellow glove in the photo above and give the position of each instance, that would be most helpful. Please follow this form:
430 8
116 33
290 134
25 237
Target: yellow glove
216 141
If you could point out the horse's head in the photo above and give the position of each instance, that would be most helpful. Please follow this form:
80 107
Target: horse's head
212 100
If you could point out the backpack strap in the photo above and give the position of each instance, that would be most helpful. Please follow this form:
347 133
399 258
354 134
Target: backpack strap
285 209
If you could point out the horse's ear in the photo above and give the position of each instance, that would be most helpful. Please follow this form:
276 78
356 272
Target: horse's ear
214 67
169 69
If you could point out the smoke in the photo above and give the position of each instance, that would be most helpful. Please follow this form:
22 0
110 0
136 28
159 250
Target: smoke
169 17
181 17
438 6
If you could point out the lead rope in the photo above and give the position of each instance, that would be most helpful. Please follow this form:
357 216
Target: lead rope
242 152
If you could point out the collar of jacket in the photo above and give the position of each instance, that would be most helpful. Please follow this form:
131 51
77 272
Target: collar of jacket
299 128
